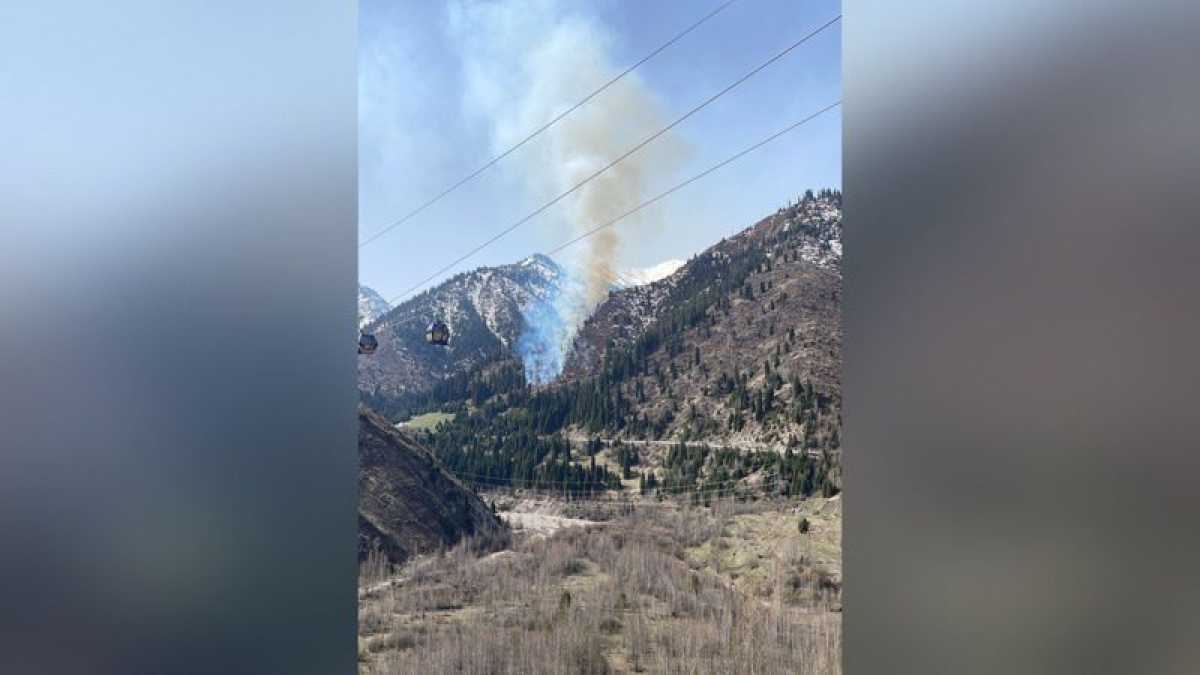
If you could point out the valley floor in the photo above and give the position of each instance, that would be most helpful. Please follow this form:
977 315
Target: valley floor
587 588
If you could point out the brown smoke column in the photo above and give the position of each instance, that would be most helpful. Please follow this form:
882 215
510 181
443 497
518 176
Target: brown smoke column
628 115
524 63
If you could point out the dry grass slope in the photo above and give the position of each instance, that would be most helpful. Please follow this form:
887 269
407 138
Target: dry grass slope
735 588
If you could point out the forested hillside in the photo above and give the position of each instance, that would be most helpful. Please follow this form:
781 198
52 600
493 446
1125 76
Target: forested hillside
735 359
743 342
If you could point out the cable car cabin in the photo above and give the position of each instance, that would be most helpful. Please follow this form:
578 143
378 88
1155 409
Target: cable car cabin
367 344
437 334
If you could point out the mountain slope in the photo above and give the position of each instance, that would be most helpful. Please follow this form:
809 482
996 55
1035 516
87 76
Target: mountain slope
774 285
697 350
729 369
408 504
483 309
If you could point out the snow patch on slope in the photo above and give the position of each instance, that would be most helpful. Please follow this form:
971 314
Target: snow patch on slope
647 275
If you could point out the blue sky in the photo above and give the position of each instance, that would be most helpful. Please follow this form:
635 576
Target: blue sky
444 86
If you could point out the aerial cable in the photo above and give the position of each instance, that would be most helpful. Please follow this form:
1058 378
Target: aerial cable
674 489
693 179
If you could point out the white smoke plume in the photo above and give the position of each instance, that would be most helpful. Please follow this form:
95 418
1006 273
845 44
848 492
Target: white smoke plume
523 64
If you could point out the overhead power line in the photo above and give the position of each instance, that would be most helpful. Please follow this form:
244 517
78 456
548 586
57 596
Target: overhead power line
536 132
619 498
677 487
623 156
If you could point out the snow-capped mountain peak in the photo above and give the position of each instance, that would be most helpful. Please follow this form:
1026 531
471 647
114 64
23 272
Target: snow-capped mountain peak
484 309
371 305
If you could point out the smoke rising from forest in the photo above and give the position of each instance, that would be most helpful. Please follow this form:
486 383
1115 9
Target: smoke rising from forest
523 64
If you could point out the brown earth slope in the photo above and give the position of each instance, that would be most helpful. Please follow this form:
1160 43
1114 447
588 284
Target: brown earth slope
408 504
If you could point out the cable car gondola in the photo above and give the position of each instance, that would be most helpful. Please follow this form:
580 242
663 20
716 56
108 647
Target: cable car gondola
367 344
437 334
